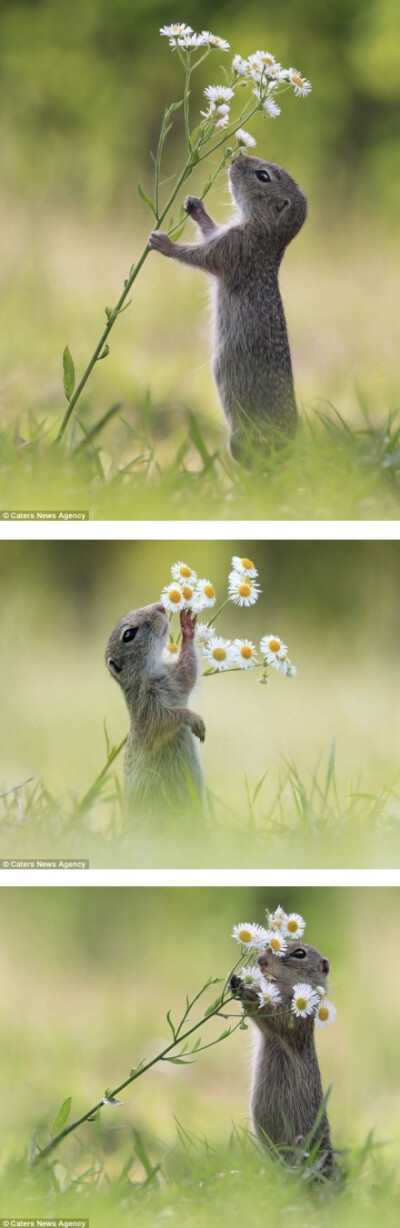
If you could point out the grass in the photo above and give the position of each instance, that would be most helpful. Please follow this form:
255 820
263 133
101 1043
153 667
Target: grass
120 1172
115 469
283 819
148 440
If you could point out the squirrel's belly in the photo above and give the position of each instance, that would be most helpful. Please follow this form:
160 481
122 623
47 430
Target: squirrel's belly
163 778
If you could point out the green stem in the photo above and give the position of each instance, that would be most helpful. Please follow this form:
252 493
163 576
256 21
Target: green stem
218 612
116 311
178 1040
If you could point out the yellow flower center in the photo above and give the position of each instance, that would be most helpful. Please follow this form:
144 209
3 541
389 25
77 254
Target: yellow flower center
246 652
298 80
266 59
292 927
274 645
209 590
175 595
185 572
219 654
244 590
323 1013
247 563
187 592
172 648
244 935
301 1004
275 944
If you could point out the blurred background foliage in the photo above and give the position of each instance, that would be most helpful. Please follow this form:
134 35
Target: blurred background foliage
334 603
82 91
88 975
83 86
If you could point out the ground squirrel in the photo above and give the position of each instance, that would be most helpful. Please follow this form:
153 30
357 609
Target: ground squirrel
287 1094
162 764
252 364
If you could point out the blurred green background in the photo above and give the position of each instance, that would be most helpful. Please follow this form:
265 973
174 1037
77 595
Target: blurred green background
334 603
82 90
89 973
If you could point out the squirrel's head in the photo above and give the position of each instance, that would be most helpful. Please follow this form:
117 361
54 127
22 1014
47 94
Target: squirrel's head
268 194
137 640
299 963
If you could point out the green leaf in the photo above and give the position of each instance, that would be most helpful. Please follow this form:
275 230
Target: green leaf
62 1115
213 1006
147 199
68 373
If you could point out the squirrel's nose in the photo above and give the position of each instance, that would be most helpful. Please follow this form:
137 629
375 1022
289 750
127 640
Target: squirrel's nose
263 961
162 609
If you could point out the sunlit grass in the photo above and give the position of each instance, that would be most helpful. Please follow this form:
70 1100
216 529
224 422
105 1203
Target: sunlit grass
287 817
149 441
99 970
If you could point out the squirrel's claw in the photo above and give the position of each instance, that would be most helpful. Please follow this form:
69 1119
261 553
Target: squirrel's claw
160 242
188 624
194 207
198 728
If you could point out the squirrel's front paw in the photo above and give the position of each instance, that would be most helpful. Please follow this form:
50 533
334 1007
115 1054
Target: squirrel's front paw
198 727
193 206
188 624
160 242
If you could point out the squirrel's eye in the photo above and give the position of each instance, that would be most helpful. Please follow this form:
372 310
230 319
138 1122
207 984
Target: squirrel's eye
264 176
299 953
129 634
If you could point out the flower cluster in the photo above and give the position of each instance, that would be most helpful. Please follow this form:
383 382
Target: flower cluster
261 71
187 591
282 927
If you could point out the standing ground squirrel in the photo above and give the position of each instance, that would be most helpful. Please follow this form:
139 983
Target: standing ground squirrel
286 1095
162 765
251 361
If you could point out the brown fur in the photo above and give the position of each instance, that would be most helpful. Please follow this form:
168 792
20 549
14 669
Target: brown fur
287 1092
162 765
252 362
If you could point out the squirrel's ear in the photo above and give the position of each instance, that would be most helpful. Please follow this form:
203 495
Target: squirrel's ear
282 207
113 667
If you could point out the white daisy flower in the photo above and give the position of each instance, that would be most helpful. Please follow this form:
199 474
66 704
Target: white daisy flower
273 649
223 122
215 41
245 654
278 918
325 1013
240 66
170 653
218 93
177 30
251 975
266 59
304 1000
172 597
301 86
219 653
245 567
189 593
181 571
242 590
269 995
250 935
294 925
244 138
188 41
204 633
276 942
205 596
271 108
